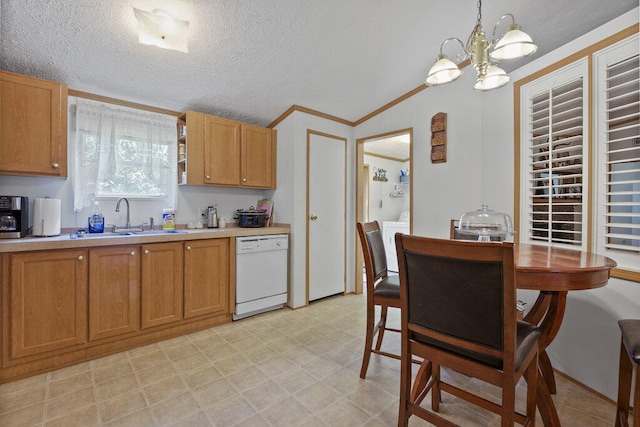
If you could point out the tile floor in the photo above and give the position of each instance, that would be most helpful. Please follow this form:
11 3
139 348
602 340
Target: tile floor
283 368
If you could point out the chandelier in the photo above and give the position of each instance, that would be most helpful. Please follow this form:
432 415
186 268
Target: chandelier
514 44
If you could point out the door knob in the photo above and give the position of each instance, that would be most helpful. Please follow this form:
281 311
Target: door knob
313 217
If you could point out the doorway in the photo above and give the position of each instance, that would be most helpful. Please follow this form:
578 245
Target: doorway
384 189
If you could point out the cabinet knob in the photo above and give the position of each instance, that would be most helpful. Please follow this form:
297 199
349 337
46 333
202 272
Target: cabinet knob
244 179
56 165
208 177
313 217
133 253
188 248
80 258
146 251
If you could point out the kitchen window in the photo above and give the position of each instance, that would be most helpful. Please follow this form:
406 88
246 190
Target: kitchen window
123 152
617 83
554 152
579 155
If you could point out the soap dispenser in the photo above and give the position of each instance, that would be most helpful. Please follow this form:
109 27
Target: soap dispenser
212 217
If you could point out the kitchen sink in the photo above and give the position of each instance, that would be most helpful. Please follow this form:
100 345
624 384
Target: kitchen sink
146 232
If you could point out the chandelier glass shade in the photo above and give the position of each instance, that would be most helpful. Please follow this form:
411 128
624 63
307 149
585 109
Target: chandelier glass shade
514 44
444 70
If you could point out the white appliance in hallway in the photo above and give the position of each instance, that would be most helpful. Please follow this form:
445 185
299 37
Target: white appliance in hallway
389 230
261 274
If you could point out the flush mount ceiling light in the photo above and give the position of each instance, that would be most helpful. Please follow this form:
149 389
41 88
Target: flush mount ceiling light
512 45
159 28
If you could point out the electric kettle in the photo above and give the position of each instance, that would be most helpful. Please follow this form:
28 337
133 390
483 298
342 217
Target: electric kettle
212 217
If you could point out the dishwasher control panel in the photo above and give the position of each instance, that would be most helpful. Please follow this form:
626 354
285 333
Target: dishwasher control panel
262 243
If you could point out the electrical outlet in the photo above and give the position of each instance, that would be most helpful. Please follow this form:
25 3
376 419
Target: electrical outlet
636 142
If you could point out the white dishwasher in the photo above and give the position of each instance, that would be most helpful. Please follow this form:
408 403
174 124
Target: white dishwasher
261 274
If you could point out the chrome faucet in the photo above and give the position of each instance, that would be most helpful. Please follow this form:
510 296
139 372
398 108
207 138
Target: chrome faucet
118 209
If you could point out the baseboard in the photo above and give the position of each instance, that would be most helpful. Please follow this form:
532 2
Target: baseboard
586 387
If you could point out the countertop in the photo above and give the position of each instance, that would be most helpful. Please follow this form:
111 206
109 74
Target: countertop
64 241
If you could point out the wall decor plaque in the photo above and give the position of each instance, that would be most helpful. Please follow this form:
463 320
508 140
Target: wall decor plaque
439 138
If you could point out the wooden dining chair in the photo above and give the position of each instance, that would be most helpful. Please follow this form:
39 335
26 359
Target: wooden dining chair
629 363
382 290
459 301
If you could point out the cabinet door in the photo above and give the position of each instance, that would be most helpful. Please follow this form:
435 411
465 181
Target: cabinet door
161 283
113 291
47 301
221 151
206 277
258 157
33 130
194 163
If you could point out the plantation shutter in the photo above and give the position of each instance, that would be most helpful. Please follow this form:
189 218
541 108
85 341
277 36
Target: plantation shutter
552 162
618 121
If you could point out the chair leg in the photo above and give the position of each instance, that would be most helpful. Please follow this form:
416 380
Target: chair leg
405 385
636 399
382 324
625 375
508 402
368 342
531 377
435 388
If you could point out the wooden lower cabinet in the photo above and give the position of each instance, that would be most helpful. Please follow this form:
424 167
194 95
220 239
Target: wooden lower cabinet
114 298
66 306
161 283
206 277
45 302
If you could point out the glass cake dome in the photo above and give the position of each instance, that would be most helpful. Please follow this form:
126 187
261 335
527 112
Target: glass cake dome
486 223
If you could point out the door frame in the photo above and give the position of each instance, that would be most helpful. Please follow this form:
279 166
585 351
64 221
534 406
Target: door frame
360 189
344 140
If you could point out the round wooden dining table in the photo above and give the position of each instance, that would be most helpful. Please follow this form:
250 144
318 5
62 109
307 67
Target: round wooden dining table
553 272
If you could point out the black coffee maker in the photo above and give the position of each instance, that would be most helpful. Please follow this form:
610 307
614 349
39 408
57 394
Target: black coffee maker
14 217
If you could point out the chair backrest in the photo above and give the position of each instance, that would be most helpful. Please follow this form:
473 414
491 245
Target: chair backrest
375 258
459 295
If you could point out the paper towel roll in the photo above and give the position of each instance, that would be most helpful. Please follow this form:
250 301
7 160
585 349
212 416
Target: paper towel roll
46 217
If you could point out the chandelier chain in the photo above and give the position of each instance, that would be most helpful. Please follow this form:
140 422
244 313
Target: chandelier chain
483 53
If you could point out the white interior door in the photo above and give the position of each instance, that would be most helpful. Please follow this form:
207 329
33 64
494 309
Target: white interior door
326 206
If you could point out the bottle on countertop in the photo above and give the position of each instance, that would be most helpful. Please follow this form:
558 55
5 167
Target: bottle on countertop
168 219
96 220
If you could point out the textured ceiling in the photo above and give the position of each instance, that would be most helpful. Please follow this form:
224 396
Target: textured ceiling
252 60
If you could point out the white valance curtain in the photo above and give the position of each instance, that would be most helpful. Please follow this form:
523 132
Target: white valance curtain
123 152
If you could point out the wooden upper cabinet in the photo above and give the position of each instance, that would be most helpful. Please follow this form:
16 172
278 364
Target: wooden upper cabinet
227 153
33 126
194 148
258 157
114 296
221 151
47 302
